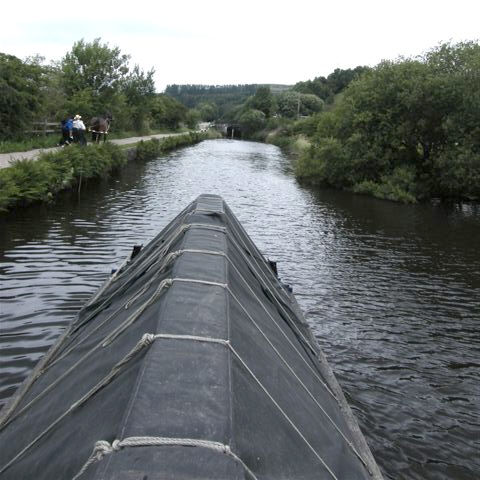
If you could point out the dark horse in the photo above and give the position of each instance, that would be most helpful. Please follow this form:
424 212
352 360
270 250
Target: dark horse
99 126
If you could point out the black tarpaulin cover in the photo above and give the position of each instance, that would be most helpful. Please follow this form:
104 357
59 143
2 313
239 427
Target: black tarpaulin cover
192 362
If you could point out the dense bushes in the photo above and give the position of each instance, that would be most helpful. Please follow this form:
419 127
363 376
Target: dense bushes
146 150
405 130
29 181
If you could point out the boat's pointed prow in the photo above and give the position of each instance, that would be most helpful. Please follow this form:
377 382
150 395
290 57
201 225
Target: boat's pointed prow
194 362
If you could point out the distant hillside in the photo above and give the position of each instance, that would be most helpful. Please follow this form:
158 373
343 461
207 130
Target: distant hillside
225 97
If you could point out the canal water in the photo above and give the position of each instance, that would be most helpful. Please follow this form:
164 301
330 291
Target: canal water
392 292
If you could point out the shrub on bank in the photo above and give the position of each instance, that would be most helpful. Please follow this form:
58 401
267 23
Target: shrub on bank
29 181
147 150
399 186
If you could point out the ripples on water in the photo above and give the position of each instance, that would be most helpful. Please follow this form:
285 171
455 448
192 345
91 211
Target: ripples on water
392 292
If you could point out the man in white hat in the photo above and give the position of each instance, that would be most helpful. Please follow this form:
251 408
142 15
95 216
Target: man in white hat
79 130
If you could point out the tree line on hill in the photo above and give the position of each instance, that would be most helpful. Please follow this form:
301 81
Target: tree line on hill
217 102
91 79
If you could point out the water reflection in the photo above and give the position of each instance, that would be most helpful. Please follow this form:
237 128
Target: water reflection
392 292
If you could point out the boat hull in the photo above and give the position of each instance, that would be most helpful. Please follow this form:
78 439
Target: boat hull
192 361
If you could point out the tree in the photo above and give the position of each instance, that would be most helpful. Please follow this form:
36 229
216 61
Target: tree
94 66
263 101
94 73
251 121
208 111
327 87
192 118
289 104
139 90
167 112
407 129
20 94
310 104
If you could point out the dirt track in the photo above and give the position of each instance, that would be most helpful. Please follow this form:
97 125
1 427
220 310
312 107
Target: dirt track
6 158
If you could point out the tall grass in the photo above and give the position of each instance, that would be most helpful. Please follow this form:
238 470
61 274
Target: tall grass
9 146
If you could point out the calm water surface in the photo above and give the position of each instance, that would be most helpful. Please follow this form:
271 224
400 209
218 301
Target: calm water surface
392 292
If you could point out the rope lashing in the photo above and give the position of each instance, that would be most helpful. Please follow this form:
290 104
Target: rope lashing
103 343
103 448
147 339
150 261
120 329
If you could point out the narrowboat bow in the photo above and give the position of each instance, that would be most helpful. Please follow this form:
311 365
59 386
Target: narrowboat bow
193 361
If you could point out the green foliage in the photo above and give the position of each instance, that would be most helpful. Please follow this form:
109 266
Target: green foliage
20 95
167 112
289 104
9 191
310 104
327 162
263 101
336 82
147 150
40 141
251 121
292 104
456 173
192 118
93 66
404 130
139 90
225 98
28 181
208 111
92 79
396 186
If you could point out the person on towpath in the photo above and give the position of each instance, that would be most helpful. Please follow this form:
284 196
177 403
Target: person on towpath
67 132
79 130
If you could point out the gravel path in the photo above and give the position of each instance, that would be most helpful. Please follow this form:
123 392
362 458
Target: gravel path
7 158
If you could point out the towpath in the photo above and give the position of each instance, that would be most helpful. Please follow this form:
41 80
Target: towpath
7 158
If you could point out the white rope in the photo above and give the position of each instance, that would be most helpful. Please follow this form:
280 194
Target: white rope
145 341
131 319
218 253
201 282
166 246
273 292
194 338
260 384
108 339
103 448
125 306
103 343
312 370
349 443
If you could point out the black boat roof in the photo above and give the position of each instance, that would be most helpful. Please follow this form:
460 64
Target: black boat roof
193 361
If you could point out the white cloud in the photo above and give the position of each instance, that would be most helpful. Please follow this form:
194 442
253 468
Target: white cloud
244 42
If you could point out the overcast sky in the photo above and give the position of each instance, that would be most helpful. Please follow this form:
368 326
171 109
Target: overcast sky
232 42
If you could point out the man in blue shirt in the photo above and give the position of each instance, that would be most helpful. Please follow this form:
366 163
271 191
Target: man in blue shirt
67 127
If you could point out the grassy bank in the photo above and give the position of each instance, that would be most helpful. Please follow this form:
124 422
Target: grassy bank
30 181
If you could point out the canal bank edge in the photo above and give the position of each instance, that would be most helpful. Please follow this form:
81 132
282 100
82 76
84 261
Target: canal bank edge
32 181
